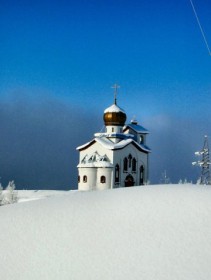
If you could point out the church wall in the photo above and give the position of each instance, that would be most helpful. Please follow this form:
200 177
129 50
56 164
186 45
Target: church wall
107 173
91 175
142 160
116 157
113 129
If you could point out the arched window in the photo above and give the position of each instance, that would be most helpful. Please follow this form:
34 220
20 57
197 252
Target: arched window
117 173
141 175
134 165
79 179
130 160
103 179
85 179
125 164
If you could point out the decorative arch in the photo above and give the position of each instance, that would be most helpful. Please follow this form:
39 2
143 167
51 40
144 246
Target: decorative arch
129 181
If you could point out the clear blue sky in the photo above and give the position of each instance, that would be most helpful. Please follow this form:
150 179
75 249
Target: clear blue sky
73 51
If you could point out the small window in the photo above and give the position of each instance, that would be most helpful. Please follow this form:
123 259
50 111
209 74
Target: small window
117 173
112 129
125 164
141 175
141 139
103 179
134 165
85 179
79 179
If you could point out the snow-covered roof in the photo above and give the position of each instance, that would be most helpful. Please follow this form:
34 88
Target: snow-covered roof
136 127
108 144
85 145
114 135
114 109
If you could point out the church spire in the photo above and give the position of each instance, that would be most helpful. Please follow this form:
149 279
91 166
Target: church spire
115 87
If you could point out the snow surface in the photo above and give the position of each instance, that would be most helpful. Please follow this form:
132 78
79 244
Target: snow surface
149 232
28 195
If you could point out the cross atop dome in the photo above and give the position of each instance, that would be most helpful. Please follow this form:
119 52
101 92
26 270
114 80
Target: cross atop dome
115 87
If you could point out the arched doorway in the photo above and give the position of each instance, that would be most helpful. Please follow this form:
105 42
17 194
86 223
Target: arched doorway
129 181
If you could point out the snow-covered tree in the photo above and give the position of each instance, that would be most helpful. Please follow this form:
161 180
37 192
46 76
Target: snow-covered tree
198 182
185 181
10 195
164 178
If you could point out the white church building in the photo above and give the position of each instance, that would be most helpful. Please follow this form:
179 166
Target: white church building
117 157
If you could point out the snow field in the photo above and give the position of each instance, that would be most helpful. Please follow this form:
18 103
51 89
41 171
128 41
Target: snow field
149 232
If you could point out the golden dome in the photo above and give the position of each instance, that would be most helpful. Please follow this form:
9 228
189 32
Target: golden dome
114 115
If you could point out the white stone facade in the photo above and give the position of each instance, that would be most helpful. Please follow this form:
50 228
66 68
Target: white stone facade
116 158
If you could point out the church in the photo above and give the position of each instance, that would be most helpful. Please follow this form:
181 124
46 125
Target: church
117 157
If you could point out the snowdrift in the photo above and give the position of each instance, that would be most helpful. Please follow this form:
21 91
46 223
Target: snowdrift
150 232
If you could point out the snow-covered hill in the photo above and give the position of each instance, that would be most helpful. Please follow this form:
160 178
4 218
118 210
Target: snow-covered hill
150 232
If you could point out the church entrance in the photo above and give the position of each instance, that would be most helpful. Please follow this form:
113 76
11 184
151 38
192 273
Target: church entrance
129 181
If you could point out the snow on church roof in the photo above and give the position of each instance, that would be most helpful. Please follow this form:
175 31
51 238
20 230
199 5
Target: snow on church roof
108 144
136 127
114 109
85 145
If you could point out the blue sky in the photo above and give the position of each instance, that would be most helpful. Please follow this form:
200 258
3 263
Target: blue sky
71 52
